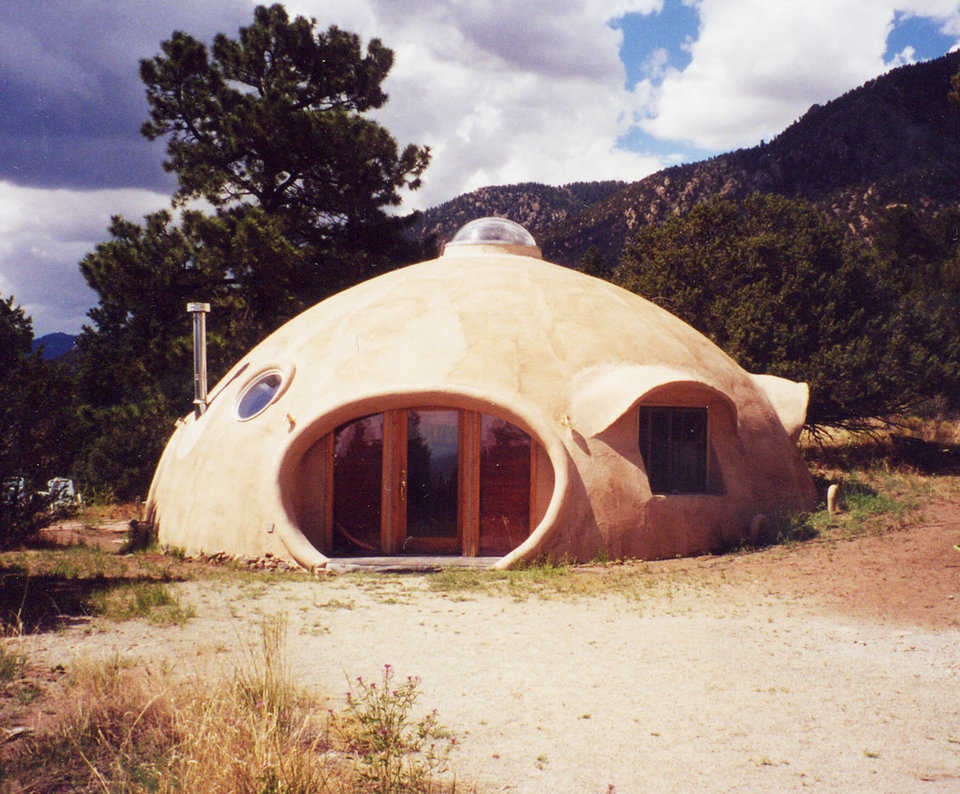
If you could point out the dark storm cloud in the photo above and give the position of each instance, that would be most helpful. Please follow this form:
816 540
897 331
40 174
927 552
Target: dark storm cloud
71 100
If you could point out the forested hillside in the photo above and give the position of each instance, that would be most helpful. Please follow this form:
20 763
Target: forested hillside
894 140
537 207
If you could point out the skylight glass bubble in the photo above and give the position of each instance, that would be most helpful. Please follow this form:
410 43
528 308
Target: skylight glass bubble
487 231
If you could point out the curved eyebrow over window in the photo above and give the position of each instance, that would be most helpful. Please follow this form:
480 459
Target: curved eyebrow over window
601 395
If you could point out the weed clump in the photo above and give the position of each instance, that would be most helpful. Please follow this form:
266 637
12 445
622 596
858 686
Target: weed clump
394 752
11 663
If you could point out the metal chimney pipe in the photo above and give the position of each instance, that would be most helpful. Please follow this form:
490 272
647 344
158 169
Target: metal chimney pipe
199 312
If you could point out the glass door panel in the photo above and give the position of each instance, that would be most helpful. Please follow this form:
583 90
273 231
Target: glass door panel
431 477
504 486
358 485
428 480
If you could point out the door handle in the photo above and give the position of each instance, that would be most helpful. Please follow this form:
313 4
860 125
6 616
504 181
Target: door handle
403 483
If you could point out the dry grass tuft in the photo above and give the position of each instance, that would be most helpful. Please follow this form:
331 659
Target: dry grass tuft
131 728
150 601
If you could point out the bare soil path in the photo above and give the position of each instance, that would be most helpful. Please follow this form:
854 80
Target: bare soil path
822 666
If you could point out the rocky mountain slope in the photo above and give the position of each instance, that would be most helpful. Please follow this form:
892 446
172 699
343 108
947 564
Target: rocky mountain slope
537 207
896 139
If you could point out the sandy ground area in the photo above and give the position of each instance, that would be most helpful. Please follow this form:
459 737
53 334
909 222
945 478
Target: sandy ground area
827 666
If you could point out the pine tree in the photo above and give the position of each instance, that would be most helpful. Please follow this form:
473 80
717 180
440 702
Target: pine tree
269 129
38 428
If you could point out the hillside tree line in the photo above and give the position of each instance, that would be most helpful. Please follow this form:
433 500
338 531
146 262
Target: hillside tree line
874 329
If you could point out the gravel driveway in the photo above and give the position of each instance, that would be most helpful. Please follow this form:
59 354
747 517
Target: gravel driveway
712 684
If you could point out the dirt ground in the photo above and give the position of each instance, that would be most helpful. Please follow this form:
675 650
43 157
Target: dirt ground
830 666
911 576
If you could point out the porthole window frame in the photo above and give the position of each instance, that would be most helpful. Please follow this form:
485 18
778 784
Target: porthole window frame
285 375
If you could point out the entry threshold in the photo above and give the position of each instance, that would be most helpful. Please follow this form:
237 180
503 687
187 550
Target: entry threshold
407 563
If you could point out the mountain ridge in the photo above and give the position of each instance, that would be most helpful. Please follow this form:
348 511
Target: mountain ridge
533 205
894 139
54 345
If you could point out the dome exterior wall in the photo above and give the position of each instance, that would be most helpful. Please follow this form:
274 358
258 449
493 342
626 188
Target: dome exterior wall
567 358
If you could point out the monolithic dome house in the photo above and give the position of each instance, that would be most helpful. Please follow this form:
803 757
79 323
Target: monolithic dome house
485 403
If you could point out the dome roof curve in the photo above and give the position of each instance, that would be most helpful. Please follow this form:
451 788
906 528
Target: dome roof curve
561 354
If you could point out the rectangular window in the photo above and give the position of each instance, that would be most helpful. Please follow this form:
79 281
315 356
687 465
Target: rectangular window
673 442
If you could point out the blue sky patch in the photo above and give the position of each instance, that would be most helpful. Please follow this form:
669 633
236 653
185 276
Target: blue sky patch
921 33
672 152
643 34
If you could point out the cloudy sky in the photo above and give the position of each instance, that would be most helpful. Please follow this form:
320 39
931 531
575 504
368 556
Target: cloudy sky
552 91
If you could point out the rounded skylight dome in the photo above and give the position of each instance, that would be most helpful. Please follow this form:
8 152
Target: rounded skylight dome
499 232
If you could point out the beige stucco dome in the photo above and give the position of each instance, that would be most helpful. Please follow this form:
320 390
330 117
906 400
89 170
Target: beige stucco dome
613 392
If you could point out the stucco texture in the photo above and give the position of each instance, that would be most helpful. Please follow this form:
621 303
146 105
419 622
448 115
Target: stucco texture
564 356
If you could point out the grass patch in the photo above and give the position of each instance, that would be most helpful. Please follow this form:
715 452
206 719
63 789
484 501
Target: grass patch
87 562
551 579
541 576
43 589
12 664
127 727
786 529
150 601
861 503
863 510
454 580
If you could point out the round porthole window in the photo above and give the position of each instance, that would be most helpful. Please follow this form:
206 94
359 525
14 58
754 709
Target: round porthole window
259 393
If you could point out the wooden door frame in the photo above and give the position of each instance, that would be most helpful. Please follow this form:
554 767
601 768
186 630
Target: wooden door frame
393 505
468 493
393 500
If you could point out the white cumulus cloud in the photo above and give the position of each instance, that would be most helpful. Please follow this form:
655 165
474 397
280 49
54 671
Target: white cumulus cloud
757 65
503 93
43 236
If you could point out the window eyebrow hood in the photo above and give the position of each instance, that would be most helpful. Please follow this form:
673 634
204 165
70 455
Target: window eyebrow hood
601 395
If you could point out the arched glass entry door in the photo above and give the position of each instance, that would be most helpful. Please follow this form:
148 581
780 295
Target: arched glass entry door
430 481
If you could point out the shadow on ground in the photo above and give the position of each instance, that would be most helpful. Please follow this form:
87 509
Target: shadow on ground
37 602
